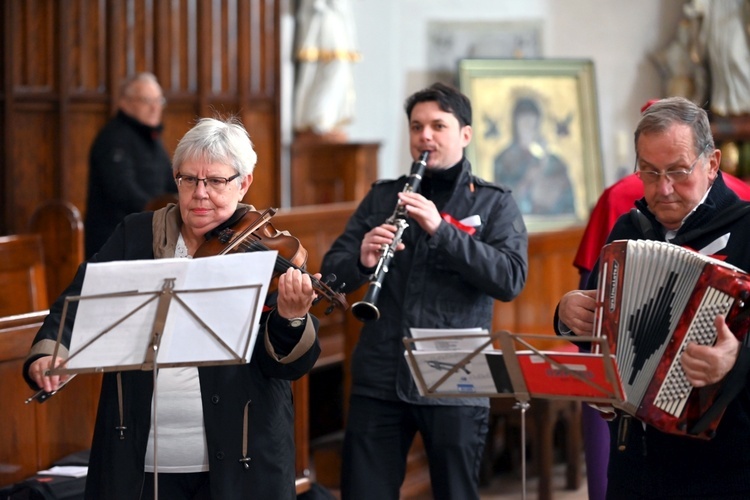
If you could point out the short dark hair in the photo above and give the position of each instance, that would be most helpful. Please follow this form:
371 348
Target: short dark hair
448 99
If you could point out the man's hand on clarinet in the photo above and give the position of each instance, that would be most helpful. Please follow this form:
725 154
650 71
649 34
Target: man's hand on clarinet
705 365
372 244
422 210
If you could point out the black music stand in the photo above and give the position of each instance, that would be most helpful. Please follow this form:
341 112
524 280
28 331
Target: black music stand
131 313
512 373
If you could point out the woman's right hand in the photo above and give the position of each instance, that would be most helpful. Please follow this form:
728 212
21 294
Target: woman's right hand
39 368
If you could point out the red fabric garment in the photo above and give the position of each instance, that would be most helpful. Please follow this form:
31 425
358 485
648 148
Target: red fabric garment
616 200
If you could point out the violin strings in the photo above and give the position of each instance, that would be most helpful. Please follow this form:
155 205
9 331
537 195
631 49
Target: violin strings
258 246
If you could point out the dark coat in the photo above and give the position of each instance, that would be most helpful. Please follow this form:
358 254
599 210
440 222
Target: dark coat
448 280
116 469
128 167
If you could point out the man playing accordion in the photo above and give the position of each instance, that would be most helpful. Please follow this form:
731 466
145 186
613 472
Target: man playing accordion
687 203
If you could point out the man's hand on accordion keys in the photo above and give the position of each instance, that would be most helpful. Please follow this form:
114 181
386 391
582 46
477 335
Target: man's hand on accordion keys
706 365
576 311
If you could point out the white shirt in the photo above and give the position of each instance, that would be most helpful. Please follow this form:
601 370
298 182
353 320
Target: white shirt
180 430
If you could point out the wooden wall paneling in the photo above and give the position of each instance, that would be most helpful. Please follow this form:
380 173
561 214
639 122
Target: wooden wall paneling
180 117
264 191
34 66
31 166
134 40
5 37
84 93
258 54
86 37
551 274
6 51
331 172
210 55
32 170
177 47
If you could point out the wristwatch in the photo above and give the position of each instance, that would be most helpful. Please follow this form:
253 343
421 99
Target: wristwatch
296 322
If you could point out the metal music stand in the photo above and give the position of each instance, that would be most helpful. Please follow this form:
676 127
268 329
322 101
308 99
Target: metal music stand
146 315
520 374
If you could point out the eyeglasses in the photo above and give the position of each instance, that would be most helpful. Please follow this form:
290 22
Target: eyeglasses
673 176
149 101
213 184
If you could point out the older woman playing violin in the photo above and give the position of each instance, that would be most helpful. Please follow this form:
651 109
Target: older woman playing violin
225 432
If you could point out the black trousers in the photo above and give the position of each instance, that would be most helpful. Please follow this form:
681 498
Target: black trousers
379 434
174 486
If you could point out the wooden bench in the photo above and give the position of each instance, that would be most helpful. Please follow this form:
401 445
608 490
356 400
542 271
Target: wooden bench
34 435
23 285
35 267
60 225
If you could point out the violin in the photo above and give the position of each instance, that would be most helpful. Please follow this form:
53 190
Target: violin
251 231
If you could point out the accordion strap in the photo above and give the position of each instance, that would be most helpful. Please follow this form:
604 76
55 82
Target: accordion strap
722 218
642 223
726 216
733 384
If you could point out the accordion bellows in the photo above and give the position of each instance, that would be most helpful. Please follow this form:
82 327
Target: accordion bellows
653 298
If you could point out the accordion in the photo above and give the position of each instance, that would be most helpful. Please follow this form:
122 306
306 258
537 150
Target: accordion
653 298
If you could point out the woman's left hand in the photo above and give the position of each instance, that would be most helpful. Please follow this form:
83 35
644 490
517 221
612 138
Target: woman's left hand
296 293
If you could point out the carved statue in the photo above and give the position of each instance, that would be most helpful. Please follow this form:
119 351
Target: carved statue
681 70
722 42
324 95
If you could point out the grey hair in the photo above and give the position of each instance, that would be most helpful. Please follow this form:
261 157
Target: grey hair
664 113
214 140
127 85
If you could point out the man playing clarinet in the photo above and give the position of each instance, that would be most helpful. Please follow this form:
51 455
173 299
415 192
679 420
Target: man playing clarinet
465 245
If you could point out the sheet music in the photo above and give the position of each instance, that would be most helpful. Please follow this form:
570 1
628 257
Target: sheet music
476 377
204 285
448 341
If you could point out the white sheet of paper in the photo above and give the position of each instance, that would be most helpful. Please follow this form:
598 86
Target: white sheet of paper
66 470
200 283
448 343
474 377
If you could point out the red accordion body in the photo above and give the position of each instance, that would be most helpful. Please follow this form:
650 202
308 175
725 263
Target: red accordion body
653 298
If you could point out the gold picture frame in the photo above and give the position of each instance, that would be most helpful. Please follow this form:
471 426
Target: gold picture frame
536 131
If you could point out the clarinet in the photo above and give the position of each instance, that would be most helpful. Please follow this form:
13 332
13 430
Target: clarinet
366 310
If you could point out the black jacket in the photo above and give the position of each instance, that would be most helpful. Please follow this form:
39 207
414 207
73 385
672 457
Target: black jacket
448 280
128 167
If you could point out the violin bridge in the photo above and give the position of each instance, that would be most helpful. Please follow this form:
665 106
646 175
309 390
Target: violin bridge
225 236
